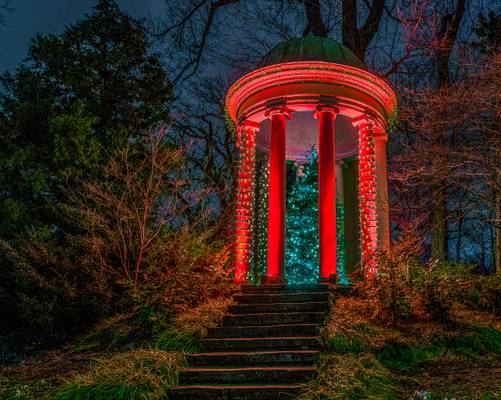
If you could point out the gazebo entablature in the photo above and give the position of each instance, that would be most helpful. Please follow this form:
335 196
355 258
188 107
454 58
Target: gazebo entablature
326 90
302 86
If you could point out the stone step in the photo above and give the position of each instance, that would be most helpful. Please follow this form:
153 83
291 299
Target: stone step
270 289
257 308
255 298
259 358
256 375
260 344
274 318
235 392
263 331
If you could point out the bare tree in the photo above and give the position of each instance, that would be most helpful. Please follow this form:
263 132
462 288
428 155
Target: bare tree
206 132
465 165
195 23
125 212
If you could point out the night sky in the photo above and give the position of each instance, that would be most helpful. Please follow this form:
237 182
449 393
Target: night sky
51 16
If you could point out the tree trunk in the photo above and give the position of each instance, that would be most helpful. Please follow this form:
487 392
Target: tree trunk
439 232
497 222
447 35
315 23
355 38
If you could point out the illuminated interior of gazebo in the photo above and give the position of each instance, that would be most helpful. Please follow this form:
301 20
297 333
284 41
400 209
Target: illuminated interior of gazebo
311 101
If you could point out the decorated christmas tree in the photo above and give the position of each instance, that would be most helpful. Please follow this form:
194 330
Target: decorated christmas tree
301 246
302 240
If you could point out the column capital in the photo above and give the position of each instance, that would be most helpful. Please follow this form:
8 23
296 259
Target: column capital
363 122
248 125
278 110
326 107
245 125
380 134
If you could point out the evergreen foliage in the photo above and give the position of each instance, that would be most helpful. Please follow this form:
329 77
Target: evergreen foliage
302 240
302 246
77 100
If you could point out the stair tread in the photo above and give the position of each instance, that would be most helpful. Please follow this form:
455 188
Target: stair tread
274 313
226 386
231 339
244 353
282 302
248 361
234 369
280 294
302 324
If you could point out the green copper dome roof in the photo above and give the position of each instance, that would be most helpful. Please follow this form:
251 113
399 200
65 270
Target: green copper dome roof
312 48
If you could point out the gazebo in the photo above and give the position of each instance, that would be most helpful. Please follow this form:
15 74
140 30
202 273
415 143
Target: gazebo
313 92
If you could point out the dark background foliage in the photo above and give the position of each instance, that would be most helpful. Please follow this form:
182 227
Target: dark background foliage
80 115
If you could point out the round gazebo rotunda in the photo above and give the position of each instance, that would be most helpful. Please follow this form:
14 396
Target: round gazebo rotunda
313 92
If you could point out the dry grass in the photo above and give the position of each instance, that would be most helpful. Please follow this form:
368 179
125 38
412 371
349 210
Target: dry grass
463 379
198 320
358 318
350 377
135 374
53 365
134 367
373 358
468 316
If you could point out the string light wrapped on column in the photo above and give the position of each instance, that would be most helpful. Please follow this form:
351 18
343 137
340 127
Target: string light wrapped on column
367 196
260 235
246 172
342 278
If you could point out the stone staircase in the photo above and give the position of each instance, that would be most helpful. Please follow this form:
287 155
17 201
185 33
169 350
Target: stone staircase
264 349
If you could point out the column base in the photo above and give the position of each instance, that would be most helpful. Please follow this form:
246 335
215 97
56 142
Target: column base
273 280
331 280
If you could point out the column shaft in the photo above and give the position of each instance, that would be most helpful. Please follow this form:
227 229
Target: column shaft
383 220
246 172
327 195
367 193
276 199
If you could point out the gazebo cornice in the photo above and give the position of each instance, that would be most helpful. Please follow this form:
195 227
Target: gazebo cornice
310 79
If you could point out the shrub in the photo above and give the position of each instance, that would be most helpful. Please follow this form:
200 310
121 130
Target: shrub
189 267
123 331
403 290
438 291
390 290
481 292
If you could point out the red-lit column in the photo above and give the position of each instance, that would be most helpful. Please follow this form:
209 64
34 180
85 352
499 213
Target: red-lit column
367 193
246 133
327 192
276 197
383 220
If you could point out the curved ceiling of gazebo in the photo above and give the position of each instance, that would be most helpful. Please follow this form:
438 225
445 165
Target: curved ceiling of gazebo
302 136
